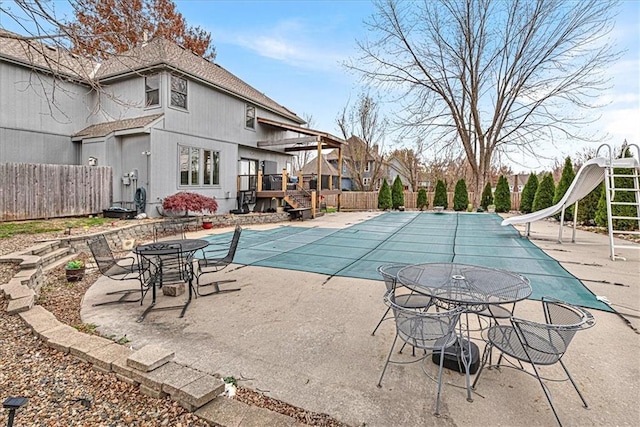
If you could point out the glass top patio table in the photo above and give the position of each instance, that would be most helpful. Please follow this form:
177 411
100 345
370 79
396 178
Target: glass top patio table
465 284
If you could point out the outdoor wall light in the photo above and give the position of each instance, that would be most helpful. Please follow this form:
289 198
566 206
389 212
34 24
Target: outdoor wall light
13 403
93 161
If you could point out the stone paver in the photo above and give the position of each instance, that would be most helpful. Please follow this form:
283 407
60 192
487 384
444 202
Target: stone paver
104 357
149 358
20 305
40 319
87 343
199 392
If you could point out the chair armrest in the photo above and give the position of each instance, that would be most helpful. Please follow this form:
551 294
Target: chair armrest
127 261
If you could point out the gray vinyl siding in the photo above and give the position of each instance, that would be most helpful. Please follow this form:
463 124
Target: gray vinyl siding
38 117
124 155
165 175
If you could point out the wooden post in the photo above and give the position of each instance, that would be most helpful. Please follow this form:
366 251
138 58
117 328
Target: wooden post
319 179
313 203
339 178
259 181
284 180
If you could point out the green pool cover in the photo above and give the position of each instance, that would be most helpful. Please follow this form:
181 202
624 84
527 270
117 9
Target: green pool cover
412 237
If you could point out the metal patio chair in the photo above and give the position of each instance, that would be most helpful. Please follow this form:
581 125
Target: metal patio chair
215 260
165 264
540 344
412 300
429 331
123 268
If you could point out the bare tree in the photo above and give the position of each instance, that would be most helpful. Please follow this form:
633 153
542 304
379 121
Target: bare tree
364 130
489 75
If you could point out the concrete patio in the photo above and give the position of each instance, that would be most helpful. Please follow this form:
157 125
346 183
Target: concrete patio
307 341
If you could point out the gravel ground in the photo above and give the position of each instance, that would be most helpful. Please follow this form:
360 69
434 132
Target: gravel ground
64 391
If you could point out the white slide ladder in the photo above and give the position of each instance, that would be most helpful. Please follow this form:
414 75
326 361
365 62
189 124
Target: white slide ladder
610 176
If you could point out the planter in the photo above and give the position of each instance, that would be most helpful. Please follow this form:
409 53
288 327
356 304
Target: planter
207 225
74 274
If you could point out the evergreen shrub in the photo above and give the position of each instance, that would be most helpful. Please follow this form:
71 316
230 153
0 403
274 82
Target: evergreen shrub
460 196
503 195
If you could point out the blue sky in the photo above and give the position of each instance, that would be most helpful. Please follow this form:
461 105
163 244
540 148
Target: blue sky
292 50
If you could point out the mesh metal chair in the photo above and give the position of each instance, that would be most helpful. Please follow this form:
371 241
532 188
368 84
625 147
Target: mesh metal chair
169 228
165 265
430 331
412 300
540 344
213 262
124 268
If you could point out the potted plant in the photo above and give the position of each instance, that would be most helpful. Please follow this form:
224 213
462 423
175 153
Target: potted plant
74 270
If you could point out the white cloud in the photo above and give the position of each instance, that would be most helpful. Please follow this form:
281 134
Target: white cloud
290 41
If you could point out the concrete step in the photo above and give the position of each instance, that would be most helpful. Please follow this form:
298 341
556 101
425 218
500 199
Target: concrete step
45 247
54 256
58 262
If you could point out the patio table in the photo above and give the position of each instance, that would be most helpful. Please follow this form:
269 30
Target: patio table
471 286
187 248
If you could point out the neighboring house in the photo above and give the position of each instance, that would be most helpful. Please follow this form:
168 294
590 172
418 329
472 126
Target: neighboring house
517 182
395 169
362 169
163 118
329 172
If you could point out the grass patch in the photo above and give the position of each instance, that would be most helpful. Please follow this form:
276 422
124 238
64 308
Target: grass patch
10 229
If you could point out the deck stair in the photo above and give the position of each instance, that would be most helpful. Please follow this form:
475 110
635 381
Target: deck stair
300 202
618 182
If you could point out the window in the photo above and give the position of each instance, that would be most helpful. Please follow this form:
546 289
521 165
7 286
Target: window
190 166
366 181
211 167
178 92
152 90
250 117
367 166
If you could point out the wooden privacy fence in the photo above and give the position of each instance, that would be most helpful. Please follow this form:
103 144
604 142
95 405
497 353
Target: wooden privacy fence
368 200
35 191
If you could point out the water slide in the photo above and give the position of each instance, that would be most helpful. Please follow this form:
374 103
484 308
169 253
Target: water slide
588 177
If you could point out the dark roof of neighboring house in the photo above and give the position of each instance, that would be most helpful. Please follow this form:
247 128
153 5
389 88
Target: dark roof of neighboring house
104 129
312 167
157 53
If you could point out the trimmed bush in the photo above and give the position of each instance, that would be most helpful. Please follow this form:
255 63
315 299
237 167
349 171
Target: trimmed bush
384 196
487 196
440 197
185 202
397 193
460 196
423 200
568 174
528 193
503 195
544 194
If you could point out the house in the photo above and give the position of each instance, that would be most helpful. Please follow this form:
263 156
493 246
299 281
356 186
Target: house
363 168
164 119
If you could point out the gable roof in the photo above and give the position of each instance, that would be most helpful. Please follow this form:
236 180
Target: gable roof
30 52
158 53
137 124
312 167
